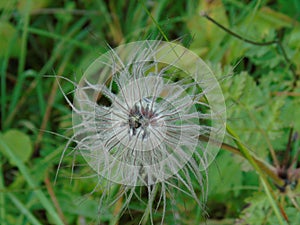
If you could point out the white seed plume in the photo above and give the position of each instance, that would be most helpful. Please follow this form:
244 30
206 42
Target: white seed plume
138 113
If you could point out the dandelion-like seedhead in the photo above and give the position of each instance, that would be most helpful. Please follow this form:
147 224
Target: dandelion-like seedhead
139 111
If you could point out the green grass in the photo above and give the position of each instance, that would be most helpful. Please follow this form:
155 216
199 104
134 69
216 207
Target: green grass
42 39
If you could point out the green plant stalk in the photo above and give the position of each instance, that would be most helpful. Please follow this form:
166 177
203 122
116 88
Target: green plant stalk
31 182
266 168
262 176
2 197
31 218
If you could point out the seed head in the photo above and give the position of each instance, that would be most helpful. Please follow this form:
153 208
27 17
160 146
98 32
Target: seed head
139 111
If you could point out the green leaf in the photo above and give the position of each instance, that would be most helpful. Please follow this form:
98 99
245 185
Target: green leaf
259 212
253 112
19 143
290 113
258 209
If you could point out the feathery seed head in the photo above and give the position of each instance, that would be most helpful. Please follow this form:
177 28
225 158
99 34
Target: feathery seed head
137 118
139 111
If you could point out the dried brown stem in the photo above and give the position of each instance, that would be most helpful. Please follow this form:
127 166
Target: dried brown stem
54 199
49 105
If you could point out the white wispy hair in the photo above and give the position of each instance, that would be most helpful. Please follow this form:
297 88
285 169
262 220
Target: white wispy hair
138 113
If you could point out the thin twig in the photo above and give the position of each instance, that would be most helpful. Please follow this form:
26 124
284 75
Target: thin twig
286 93
276 41
287 154
205 15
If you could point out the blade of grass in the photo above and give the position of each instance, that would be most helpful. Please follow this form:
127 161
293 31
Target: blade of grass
154 21
22 58
31 218
116 24
31 182
157 12
107 17
3 90
2 197
55 36
5 16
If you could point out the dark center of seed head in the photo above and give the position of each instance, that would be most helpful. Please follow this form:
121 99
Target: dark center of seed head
138 120
134 121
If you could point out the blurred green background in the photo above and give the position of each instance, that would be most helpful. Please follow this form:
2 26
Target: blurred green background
43 38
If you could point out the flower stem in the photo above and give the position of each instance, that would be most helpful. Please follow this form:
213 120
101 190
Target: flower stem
265 167
266 185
